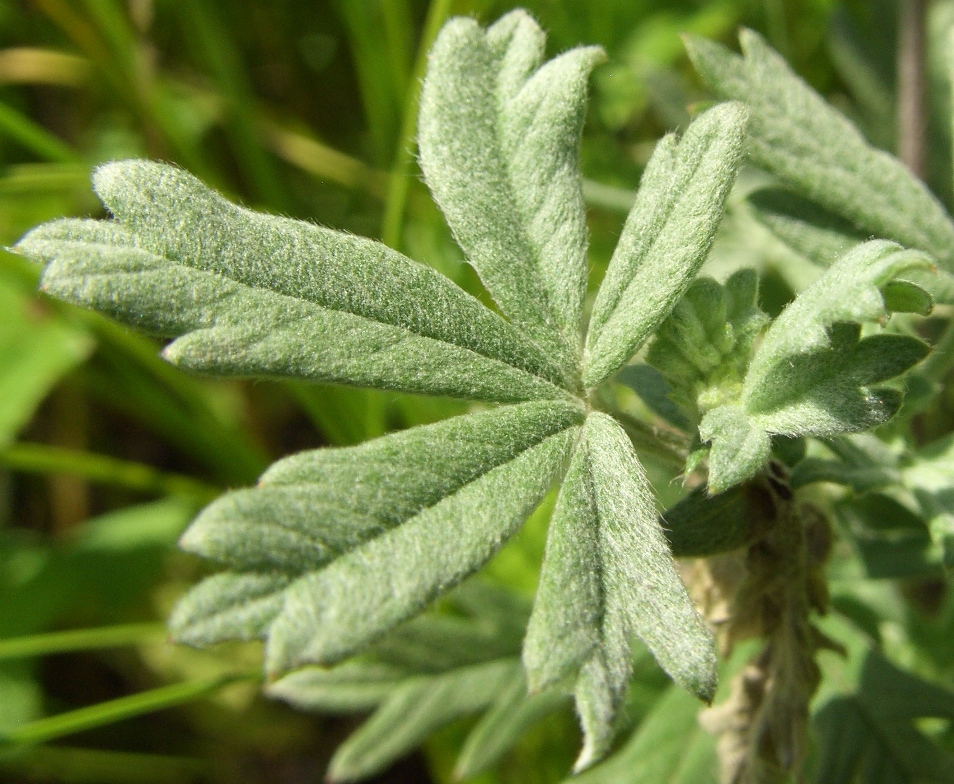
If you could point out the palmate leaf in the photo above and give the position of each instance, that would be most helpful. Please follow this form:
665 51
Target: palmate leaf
606 556
334 549
798 136
812 373
498 138
256 295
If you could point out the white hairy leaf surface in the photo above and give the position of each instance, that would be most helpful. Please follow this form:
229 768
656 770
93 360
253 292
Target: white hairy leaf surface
666 237
363 538
798 136
499 142
608 576
257 295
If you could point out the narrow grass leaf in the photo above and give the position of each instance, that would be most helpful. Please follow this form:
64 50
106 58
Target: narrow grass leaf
415 710
499 137
666 237
608 576
112 711
798 136
257 295
36 350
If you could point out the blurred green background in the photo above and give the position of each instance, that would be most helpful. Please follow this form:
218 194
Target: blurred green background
304 108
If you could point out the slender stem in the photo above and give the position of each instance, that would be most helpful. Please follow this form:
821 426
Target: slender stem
112 711
662 444
401 173
46 459
939 361
80 640
912 85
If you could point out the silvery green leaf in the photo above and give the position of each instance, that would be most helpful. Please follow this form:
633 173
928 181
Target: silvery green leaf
823 237
367 536
258 295
413 711
816 233
499 135
513 712
666 237
798 136
833 391
229 606
351 687
608 576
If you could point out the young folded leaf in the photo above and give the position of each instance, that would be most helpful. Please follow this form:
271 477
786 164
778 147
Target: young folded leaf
850 291
499 138
666 237
256 295
798 136
812 373
703 347
608 576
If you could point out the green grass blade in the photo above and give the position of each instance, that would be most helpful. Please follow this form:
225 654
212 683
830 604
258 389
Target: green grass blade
216 50
103 469
400 181
35 137
93 766
112 711
80 640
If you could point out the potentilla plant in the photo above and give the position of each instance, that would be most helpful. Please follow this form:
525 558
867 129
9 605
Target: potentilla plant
333 556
